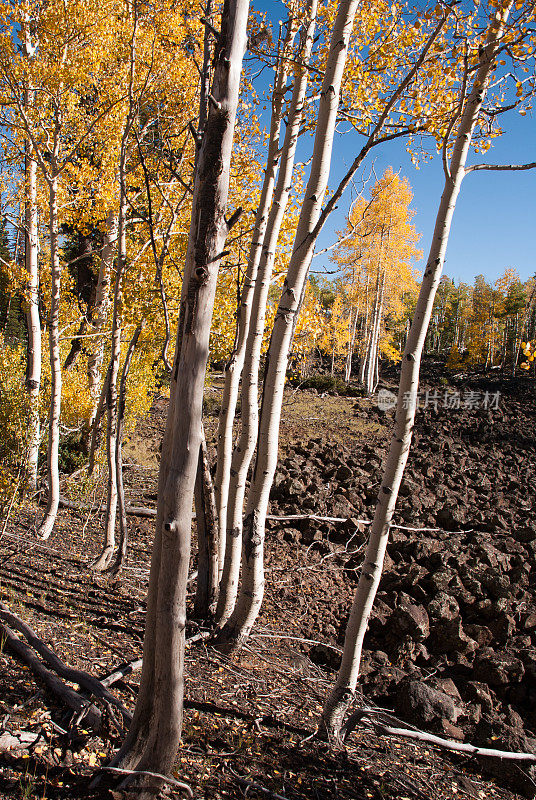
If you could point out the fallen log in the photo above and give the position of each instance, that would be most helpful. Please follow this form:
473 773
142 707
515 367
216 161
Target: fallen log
90 714
135 511
145 511
83 679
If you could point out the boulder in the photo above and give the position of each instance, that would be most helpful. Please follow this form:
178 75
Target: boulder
420 704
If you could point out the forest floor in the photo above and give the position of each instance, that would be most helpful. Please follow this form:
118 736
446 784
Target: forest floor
452 642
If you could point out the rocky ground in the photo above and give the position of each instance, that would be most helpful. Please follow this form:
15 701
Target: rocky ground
452 642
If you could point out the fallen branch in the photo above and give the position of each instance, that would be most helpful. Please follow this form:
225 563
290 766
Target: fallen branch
21 740
256 786
121 672
317 518
335 649
430 738
83 679
90 714
268 720
133 666
144 511
131 773
313 517
135 511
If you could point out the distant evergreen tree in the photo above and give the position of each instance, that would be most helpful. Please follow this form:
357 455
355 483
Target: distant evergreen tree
79 251
6 298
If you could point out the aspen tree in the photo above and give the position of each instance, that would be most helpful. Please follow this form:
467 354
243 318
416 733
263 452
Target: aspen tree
153 738
55 126
375 256
31 252
113 455
245 448
249 600
234 365
464 120
101 311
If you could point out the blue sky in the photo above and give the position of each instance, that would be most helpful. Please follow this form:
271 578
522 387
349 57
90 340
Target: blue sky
494 224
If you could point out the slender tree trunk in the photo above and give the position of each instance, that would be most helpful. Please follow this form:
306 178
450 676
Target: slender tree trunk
365 336
234 365
76 346
121 405
101 311
249 602
154 735
33 365
379 321
207 538
53 475
96 428
372 343
245 448
351 345
343 691
33 322
105 558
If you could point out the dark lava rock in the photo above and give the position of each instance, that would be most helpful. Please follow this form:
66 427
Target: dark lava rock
448 636
412 620
443 607
497 669
450 518
325 656
420 704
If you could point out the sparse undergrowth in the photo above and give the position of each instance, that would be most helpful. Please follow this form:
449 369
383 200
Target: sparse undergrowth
246 717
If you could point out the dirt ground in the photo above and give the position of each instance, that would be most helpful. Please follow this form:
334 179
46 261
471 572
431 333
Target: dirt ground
455 612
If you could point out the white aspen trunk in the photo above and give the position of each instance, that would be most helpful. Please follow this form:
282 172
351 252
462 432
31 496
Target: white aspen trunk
343 691
53 475
105 558
372 343
235 363
155 731
33 366
252 589
33 322
250 382
101 311
351 345
376 376
366 336
121 404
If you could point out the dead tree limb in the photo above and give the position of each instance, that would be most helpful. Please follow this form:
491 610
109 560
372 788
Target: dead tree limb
88 712
121 672
83 679
367 715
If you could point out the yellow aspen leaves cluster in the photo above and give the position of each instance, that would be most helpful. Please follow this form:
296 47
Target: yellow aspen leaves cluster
529 351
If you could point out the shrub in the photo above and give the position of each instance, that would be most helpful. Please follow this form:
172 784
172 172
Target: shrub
13 418
329 383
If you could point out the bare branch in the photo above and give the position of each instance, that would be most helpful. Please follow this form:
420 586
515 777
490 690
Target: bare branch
501 167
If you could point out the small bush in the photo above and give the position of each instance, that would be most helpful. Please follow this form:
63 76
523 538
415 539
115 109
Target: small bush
329 383
72 452
13 418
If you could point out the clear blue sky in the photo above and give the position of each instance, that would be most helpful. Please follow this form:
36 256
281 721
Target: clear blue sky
494 224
